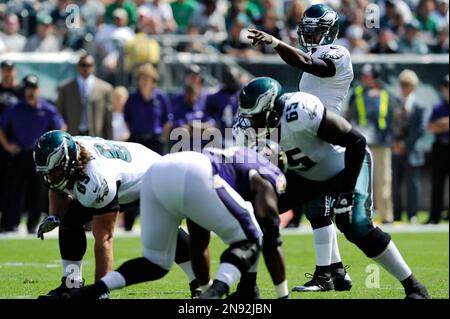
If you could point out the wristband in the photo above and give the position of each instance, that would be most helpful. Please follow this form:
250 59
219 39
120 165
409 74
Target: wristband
275 42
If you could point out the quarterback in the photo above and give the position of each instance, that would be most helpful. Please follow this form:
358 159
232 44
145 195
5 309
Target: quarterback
325 156
92 179
327 74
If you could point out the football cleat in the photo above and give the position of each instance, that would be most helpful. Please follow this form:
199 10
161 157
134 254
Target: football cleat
58 292
90 292
245 292
195 289
318 282
217 290
419 291
341 279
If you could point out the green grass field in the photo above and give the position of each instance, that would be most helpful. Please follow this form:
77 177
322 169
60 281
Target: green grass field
31 267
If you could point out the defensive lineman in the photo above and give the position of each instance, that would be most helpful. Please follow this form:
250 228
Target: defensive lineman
206 190
314 141
327 74
92 179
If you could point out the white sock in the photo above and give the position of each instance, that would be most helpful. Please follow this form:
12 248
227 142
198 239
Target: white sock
323 242
393 262
187 268
114 280
282 289
335 254
73 269
228 273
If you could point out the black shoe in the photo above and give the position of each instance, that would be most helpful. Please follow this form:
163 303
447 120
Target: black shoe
318 282
58 292
217 290
418 291
90 292
341 279
195 289
245 292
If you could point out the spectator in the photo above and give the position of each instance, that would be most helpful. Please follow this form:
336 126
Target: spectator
409 125
411 41
26 122
441 13
163 12
148 23
120 129
142 48
354 41
91 11
44 40
14 42
293 15
148 112
237 12
207 18
428 23
85 102
273 26
438 125
441 45
189 113
223 104
386 43
182 11
10 94
71 37
110 38
127 5
236 45
370 111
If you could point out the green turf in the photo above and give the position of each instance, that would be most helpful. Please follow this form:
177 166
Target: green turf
31 267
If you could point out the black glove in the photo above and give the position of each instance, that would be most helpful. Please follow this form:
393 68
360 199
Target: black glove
344 203
48 224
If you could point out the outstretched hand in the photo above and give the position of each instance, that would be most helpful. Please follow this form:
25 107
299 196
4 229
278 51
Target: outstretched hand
259 37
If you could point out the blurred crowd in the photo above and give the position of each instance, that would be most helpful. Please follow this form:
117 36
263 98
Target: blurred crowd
382 26
90 105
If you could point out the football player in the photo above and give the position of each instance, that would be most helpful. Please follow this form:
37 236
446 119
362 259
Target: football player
209 190
327 74
325 156
92 179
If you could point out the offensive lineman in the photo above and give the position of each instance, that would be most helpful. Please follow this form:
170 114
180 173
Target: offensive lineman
313 140
207 189
327 74
92 179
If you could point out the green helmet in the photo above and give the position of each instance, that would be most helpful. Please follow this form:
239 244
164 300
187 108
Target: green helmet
56 150
318 20
260 98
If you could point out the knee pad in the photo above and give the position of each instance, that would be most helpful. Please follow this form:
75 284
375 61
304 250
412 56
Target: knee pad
271 232
242 255
141 270
374 243
182 252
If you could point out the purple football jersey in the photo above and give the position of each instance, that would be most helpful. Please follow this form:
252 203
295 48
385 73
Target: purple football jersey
234 166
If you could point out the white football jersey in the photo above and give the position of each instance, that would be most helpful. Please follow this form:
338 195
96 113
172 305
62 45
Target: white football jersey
112 163
308 155
331 91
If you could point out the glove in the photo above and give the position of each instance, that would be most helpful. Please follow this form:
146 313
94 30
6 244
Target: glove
48 224
344 203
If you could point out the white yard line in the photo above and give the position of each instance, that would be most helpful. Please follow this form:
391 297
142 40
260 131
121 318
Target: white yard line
303 230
